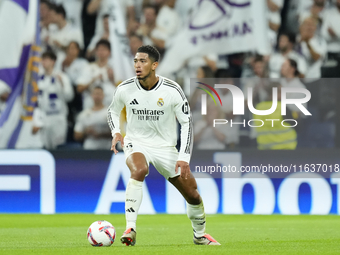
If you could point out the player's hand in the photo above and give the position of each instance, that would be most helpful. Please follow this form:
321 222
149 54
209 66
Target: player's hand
117 137
185 169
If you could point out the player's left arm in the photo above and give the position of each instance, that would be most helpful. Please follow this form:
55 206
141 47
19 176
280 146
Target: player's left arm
113 119
182 111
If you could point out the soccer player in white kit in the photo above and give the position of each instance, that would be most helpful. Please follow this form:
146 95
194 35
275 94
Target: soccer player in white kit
152 105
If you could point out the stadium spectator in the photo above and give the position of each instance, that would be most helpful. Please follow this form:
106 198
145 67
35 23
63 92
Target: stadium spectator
226 97
44 10
91 126
99 73
257 82
195 99
140 4
259 66
135 42
105 35
316 11
286 50
103 7
272 135
208 137
65 33
274 19
50 116
148 24
46 23
291 79
5 91
73 9
73 66
225 112
167 24
158 27
194 66
330 30
232 131
312 47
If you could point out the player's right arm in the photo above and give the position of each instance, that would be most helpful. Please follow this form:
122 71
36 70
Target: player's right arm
113 117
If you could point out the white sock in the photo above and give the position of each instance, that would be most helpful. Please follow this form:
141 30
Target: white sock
133 199
197 216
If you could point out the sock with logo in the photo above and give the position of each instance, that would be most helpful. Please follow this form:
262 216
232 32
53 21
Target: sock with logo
133 199
197 216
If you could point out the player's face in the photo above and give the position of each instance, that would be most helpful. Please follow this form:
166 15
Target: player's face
144 66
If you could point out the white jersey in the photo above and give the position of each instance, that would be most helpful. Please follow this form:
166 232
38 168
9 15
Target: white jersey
151 114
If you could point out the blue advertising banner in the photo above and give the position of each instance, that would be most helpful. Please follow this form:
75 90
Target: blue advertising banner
94 182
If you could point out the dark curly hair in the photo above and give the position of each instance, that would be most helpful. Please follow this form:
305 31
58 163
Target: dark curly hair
151 51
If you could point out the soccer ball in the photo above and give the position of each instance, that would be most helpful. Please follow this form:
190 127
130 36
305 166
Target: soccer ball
101 233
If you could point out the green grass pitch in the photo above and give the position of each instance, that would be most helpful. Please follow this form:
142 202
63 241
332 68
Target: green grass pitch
171 234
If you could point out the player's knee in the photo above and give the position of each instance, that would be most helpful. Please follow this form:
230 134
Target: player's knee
140 172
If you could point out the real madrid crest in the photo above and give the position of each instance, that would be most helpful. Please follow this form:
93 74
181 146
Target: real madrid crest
160 102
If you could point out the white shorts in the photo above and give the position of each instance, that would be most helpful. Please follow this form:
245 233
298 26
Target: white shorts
164 159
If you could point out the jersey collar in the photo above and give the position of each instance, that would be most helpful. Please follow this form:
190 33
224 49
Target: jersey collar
154 88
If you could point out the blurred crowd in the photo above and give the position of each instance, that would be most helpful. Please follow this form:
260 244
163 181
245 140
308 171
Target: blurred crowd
77 78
